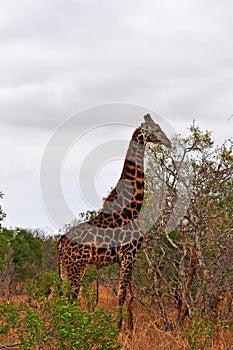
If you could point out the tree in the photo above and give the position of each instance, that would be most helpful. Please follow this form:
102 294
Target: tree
27 255
2 214
21 257
189 265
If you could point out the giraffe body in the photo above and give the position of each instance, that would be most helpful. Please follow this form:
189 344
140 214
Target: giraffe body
113 236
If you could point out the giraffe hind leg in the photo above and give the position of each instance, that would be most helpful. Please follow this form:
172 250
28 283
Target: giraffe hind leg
129 308
124 284
76 277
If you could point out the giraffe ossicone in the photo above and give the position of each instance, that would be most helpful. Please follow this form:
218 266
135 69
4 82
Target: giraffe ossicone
114 235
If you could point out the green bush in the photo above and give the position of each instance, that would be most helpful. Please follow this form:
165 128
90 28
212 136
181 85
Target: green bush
49 320
21 256
27 255
200 332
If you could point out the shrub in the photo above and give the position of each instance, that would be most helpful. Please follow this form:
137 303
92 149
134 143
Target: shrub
49 320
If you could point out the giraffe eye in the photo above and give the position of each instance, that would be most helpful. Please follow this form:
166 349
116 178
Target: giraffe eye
145 126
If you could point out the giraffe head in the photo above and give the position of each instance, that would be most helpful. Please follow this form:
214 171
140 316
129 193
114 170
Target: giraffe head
153 133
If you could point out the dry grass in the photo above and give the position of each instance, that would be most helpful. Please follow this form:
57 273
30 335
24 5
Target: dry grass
149 333
147 336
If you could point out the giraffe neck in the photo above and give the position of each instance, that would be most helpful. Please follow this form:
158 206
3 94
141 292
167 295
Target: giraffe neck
127 197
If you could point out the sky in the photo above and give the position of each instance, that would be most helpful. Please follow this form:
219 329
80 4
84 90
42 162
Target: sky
59 59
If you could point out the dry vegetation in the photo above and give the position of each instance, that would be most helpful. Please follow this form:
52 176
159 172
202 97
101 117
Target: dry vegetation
148 333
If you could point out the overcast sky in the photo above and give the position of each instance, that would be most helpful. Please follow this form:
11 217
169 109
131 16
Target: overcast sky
61 57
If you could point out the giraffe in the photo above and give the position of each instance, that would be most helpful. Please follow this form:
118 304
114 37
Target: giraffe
114 235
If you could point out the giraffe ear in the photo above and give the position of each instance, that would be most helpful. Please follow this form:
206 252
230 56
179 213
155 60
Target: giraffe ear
147 118
150 121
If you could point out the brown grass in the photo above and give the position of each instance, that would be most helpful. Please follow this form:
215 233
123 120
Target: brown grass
149 333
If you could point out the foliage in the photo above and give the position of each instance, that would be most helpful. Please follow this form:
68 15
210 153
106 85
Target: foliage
52 321
40 287
27 254
49 244
6 237
2 214
200 332
21 256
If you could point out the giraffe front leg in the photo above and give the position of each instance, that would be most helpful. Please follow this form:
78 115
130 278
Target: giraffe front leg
124 284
